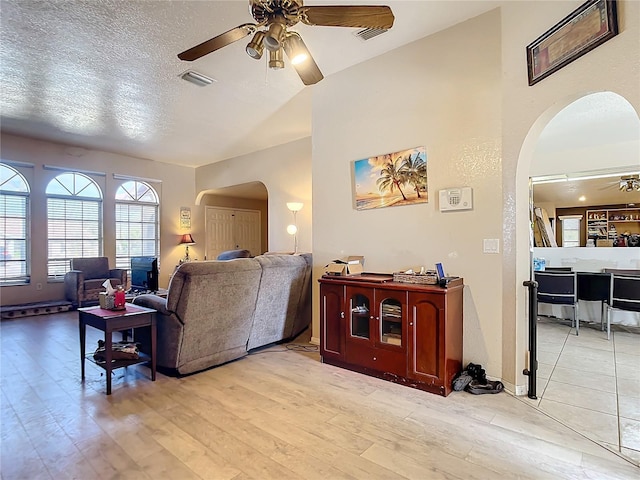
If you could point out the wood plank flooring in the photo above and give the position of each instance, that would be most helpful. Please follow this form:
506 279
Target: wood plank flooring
277 414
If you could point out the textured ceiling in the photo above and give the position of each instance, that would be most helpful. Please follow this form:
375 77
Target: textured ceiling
105 74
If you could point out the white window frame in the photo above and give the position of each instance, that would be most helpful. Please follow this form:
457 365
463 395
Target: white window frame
135 235
14 188
565 228
78 194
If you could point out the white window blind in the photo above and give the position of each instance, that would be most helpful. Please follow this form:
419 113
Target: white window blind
14 221
74 221
137 222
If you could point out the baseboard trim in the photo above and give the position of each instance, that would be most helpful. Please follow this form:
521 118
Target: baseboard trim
314 341
31 309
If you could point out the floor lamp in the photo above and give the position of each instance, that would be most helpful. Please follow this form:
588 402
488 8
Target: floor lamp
295 207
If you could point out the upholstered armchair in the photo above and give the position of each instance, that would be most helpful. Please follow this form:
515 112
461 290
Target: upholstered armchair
83 283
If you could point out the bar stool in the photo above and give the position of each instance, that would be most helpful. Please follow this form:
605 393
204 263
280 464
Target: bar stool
596 287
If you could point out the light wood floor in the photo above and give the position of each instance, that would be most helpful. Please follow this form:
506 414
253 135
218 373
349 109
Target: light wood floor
277 414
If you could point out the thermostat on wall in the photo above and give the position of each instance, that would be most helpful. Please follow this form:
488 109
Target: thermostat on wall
456 199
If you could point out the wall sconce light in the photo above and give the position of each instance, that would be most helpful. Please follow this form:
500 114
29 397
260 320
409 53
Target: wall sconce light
186 240
293 229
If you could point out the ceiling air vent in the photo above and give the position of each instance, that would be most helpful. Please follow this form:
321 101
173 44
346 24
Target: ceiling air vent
369 33
196 78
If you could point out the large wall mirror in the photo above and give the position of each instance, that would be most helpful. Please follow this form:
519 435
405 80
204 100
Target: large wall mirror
585 191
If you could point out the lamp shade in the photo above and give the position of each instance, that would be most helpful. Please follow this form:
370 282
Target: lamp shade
295 206
187 239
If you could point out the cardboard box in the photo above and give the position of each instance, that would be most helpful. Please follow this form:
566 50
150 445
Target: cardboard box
604 243
353 265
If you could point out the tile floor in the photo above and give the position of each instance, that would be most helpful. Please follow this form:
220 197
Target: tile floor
590 384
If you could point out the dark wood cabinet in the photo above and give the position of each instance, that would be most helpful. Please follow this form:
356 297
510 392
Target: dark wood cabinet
405 333
333 322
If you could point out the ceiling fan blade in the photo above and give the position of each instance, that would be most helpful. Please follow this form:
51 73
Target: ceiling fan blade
218 42
348 16
307 69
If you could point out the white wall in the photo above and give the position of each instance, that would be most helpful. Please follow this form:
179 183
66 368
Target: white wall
441 92
176 189
286 172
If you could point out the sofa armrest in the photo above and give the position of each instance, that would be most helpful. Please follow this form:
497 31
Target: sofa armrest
74 285
119 273
159 304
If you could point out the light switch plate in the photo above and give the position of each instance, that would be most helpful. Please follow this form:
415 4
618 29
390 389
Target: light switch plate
491 245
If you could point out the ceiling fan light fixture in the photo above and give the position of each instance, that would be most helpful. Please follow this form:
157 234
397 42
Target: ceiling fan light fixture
296 49
275 35
256 46
276 59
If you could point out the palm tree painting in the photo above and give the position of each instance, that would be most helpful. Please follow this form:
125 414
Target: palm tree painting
392 179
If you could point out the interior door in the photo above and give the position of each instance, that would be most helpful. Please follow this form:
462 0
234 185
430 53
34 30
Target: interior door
230 229
247 230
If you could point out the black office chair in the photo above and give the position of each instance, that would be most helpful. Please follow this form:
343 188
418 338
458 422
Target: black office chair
596 287
559 288
625 295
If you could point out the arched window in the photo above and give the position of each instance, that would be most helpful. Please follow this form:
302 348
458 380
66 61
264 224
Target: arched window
74 221
137 222
14 221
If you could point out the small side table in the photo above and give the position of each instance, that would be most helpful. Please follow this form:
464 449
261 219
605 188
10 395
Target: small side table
109 321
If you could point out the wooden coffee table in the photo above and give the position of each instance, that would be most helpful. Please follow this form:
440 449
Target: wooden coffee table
109 321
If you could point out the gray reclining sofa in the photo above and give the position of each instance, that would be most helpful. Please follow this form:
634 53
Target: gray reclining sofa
216 311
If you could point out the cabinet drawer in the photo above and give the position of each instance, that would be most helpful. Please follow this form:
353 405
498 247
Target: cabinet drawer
382 360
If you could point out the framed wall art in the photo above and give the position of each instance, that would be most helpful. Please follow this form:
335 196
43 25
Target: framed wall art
590 25
392 179
185 217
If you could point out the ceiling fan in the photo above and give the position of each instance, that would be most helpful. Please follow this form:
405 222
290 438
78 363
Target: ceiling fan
271 31
626 183
629 183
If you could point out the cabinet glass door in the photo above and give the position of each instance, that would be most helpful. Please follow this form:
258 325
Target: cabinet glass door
359 305
391 322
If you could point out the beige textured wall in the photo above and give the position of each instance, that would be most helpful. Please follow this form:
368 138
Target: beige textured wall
613 66
176 189
442 92
286 172
473 109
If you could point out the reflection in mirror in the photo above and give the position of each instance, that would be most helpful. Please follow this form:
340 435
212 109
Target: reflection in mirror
589 382
606 205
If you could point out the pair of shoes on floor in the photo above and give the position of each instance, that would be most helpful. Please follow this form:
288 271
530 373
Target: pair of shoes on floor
472 372
490 386
477 372
461 381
